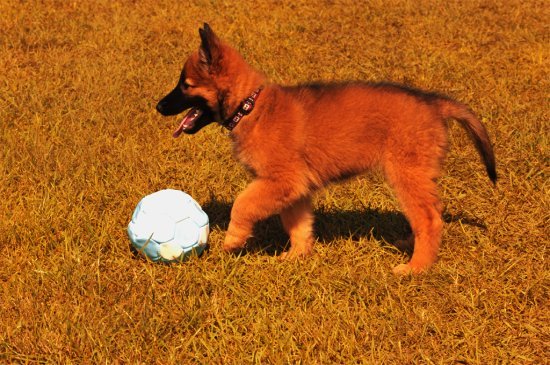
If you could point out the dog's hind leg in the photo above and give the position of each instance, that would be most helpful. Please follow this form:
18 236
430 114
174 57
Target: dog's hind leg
261 199
297 221
417 194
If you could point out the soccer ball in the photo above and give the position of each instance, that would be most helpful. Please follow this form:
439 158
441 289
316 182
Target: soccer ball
168 226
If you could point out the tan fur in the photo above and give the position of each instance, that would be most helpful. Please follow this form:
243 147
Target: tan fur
298 139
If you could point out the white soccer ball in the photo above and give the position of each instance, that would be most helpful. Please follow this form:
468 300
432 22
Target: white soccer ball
168 226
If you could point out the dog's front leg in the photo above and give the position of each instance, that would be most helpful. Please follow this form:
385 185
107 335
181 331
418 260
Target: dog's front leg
261 199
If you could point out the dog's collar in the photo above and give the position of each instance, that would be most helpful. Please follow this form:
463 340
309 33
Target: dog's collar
245 108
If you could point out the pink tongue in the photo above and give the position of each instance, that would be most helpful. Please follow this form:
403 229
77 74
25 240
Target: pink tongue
188 121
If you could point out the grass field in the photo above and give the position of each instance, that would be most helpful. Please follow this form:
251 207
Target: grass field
81 143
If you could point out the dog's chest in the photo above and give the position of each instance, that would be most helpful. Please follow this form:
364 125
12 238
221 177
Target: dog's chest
245 153
257 155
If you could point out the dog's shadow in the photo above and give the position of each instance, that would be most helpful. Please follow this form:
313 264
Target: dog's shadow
390 228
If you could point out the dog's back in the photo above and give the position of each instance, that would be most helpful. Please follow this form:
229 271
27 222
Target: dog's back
346 128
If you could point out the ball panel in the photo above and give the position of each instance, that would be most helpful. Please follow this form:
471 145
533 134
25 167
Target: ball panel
145 245
136 213
203 236
187 233
177 207
160 226
170 250
195 212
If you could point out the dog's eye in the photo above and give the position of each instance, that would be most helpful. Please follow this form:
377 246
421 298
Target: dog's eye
187 84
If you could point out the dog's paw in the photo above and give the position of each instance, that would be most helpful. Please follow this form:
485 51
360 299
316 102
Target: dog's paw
233 243
402 270
293 253
408 269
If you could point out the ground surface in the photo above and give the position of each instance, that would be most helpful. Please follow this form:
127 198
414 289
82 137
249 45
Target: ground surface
81 143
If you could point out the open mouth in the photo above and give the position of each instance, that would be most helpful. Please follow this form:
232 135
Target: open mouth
188 122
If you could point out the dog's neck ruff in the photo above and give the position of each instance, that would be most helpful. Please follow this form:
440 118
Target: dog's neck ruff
246 107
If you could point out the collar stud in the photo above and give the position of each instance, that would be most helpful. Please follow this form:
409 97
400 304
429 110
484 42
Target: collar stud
246 108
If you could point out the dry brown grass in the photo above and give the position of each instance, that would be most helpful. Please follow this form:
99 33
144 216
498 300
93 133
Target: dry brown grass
80 144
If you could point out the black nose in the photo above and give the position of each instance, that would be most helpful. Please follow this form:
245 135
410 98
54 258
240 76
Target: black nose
160 107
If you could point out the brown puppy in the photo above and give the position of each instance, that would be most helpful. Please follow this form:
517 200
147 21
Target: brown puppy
297 139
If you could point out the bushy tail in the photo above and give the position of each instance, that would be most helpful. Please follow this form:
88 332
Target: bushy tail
452 109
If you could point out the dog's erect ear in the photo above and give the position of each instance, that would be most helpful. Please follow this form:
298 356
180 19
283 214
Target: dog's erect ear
210 49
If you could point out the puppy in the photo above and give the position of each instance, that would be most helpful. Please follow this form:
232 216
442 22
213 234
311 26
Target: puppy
297 139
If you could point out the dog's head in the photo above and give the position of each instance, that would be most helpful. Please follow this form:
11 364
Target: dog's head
204 84
196 89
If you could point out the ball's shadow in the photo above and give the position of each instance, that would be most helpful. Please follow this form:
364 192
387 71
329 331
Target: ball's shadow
390 228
